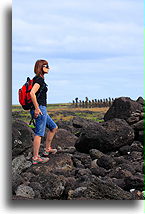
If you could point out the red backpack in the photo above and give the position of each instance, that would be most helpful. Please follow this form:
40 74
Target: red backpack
24 95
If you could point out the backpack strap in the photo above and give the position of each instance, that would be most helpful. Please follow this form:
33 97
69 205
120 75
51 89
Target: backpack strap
43 86
32 121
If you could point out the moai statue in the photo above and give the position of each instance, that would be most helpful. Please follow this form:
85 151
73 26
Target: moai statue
93 103
107 102
86 102
73 103
110 101
104 102
83 104
76 99
101 103
97 103
80 103
90 104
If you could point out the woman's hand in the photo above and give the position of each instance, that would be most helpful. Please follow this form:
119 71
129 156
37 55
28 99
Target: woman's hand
37 112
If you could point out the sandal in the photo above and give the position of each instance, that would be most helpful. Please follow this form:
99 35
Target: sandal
49 151
39 160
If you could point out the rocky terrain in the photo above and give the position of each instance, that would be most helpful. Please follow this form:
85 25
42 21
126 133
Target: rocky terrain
95 160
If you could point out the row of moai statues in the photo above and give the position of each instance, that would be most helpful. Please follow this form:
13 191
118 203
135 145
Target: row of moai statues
92 103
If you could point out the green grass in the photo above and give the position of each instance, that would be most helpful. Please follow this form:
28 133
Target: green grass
58 105
49 106
95 116
62 111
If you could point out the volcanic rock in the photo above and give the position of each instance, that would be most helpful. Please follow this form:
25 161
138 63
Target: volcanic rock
22 137
62 162
16 181
25 191
122 108
106 162
136 146
77 193
99 171
124 150
139 126
19 164
140 100
134 182
140 136
95 154
64 139
109 136
54 187
104 190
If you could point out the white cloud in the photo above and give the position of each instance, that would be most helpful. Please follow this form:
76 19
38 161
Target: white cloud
99 39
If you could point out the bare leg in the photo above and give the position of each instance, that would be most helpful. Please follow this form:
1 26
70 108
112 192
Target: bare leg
49 138
36 146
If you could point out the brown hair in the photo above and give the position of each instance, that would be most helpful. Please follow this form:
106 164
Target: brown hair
38 68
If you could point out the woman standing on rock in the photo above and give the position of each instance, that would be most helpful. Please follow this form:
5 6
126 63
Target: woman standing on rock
39 113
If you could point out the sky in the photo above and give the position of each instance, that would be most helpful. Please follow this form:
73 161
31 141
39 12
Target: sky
94 48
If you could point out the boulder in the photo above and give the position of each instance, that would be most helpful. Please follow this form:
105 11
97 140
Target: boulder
140 100
84 159
77 193
119 182
25 191
61 162
105 137
48 185
92 137
95 154
79 122
70 150
22 137
75 125
133 119
70 184
134 182
105 190
140 136
136 156
84 180
120 160
122 108
119 133
54 187
67 125
16 181
64 139
122 173
124 150
138 166
27 176
142 115
19 164
106 162
77 163
99 171
128 166
138 195
82 172
139 126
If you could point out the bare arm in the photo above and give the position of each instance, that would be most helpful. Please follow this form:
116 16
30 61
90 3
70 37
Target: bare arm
34 99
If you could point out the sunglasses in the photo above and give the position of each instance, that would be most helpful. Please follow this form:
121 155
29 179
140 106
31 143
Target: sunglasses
46 66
